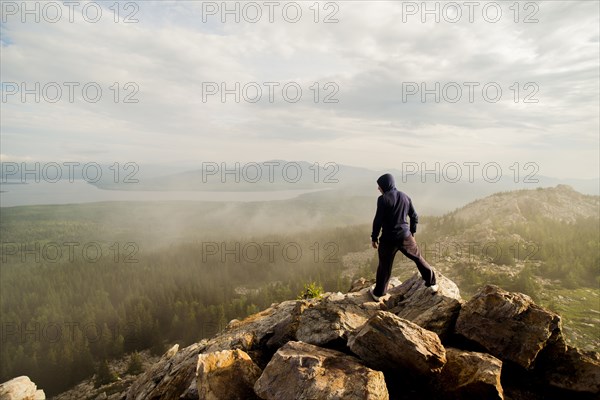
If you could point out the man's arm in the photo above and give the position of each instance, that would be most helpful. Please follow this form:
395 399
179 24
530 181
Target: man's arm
378 220
414 218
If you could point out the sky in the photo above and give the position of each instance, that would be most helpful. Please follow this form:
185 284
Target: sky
371 84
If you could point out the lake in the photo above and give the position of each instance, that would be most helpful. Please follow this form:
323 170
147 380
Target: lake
79 191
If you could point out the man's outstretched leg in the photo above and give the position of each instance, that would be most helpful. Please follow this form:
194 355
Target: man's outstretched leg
411 250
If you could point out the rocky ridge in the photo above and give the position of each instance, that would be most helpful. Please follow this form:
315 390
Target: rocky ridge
412 344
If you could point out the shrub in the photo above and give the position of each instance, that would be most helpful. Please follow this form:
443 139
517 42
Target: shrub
311 290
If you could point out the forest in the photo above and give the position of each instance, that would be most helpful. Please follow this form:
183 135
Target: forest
59 320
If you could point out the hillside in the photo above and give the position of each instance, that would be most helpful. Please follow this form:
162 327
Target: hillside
561 204
499 212
544 242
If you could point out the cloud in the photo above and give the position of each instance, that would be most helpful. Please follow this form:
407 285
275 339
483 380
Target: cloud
369 54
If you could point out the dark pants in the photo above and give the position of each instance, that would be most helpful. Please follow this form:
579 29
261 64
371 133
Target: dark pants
387 251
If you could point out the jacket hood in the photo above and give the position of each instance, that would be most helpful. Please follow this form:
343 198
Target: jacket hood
386 182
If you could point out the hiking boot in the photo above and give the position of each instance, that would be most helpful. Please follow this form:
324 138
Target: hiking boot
375 298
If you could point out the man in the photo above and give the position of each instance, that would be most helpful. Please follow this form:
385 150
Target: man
393 207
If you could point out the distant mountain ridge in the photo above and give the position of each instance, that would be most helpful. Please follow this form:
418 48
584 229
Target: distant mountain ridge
433 194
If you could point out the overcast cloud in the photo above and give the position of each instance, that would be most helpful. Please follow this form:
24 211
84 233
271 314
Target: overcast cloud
369 57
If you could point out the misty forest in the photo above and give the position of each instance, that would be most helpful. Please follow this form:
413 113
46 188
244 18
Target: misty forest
112 279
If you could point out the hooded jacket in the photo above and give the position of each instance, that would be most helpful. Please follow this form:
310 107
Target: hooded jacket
393 206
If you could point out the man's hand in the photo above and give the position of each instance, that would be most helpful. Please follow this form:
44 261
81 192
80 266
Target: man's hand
374 244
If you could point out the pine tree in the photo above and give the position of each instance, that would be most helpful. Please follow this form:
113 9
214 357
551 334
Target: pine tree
104 375
135 365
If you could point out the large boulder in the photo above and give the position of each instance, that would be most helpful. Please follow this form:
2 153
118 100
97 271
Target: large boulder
172 377
388 342
262 333
257 329
470 375
226 375
509 326
335 316
285 329
303 371
435 312
569 368
20 388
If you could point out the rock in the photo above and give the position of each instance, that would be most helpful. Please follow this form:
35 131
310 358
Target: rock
362 283
285 330
414 302
254 332
303 371
172 351
332 318
508 325
226 375
20 388
388 342
261 334
172 377
470 375
569 368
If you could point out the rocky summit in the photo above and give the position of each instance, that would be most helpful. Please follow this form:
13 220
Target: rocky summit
411 345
